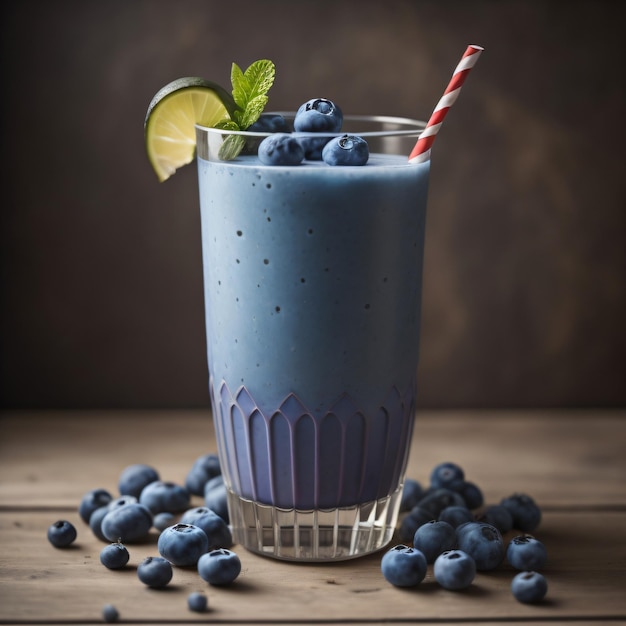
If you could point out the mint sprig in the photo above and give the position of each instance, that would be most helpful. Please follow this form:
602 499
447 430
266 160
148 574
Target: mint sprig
250 94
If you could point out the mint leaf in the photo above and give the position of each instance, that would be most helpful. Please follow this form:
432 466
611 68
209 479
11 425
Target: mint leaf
231 147
260 77
239 83
253 111
250 90
227 125
250 94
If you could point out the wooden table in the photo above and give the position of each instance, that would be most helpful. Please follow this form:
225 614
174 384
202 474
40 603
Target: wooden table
572 462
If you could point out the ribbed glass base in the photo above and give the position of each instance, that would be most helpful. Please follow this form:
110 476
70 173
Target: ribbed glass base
328 535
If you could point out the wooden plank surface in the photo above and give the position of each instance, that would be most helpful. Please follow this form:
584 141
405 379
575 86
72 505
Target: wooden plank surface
573 463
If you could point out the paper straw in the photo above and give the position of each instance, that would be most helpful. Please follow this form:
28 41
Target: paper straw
421 151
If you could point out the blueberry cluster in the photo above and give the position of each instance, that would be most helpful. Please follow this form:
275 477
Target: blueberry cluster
318 116
188 536
446 525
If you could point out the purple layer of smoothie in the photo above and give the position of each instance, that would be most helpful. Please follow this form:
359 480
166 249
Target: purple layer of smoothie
292 459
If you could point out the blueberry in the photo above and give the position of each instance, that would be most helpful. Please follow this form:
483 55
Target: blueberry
161 496
412 521
155 571
203 469
135 477
498 516
444 474
114 556
434 538
412 493
61 534
436 500
456 515
454 570
471 493
215 528
95 522
197 602
219 567
483 543
216 498
526 553
346 150
183 544
318 115
280 149
163 520
191 515
121 501
110 614
91 501
128 523
526 514
529 587
403 566
214 483
270 123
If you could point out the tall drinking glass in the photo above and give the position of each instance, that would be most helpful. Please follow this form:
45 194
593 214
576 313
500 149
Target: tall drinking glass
313 280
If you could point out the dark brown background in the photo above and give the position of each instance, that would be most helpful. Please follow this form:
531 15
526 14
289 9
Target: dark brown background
524 300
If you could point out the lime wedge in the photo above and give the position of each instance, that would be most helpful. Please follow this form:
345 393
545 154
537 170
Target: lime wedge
169 127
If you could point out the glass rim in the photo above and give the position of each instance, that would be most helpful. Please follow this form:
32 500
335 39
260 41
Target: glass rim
415 127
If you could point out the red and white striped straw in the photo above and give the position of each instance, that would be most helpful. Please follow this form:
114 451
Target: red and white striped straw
421 151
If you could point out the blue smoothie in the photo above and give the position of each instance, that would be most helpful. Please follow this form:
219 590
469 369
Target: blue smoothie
313 281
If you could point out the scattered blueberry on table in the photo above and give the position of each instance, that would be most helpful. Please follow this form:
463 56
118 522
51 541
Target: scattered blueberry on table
110 614
403 566
197 602
445 474
160 496
128 523
454 570
155 571
163 520
433 538
216 497
215 528
529 587
456 515
412 493
524 552
135 477
219 567
91 501
499 516
483 543
415 518
203 469
114 556
524 510
61 534
183 544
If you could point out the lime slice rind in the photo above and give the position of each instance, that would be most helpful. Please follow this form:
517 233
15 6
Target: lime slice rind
172 115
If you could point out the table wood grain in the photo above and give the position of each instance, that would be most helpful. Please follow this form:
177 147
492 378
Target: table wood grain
573 462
